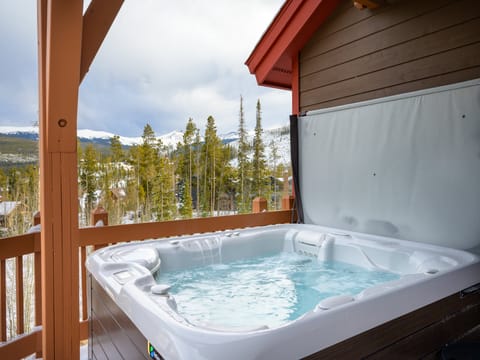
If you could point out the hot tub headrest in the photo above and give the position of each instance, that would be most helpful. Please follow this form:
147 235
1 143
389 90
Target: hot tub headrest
145 256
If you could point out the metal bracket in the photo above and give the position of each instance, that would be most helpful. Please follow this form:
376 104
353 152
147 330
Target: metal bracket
475 289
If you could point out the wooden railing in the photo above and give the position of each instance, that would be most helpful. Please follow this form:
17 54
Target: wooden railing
13 249
91 238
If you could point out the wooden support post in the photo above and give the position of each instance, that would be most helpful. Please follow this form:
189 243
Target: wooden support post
60 37
67 46
259 205
36 218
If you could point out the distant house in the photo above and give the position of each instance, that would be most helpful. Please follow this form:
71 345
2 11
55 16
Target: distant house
118 194
6 210
226 203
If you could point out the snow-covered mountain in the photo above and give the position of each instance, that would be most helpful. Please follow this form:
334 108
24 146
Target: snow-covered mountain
278 138
24 132
31 133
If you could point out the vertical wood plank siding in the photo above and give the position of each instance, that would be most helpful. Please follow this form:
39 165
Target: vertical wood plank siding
420 334
112 333
406 46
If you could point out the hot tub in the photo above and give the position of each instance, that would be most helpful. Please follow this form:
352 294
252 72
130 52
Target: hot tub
130 274
368 176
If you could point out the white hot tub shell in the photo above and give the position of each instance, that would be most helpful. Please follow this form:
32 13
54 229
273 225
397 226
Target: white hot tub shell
427 273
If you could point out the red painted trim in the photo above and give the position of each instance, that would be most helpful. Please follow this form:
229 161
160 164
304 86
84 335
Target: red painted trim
271 34
297 20
295 85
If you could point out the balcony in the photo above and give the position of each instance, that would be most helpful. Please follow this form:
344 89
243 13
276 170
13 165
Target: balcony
68 41
27 247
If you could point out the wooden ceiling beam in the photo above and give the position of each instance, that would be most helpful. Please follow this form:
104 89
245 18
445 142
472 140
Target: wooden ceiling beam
97 20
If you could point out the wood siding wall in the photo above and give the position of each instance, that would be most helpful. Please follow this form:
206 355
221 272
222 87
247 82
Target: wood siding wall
405 46
421 334
112 333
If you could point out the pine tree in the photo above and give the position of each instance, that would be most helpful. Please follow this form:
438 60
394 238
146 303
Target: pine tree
88 177
227 186
116 150
186 169
3 184
105 184
211 161
117 182
148 158
258 161
274 157
135 192
163 192
186 207
243 198
197 157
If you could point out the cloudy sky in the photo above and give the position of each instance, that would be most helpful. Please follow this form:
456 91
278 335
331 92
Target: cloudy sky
161 63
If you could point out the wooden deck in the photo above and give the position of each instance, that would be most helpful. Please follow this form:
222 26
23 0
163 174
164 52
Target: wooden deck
22 345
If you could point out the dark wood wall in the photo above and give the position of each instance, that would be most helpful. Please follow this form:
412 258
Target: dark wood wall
400 47
112 333
420 334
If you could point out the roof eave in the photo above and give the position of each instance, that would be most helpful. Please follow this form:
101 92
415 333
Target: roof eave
289 31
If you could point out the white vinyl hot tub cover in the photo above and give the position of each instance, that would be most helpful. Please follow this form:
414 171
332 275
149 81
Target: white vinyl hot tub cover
404 166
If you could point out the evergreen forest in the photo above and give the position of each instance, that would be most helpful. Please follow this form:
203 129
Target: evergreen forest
201 176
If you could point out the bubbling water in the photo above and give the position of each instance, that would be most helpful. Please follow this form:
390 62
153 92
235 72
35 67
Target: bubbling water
269 290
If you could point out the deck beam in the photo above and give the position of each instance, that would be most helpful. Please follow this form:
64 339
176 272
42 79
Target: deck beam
97 20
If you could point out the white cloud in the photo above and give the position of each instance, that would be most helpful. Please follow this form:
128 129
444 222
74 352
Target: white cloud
204 101
161 63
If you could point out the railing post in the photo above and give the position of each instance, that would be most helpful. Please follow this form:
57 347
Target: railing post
20 295
36 218
287 199
37 264
287 202
99 214
259 205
